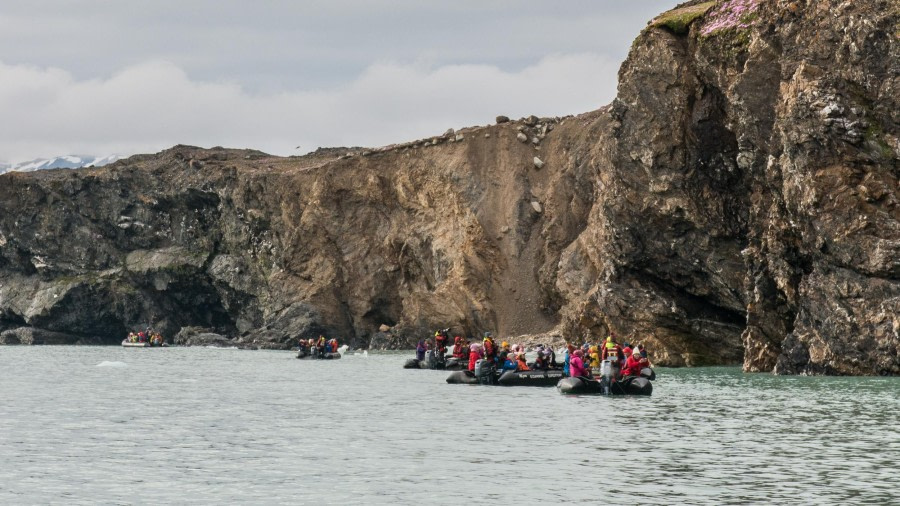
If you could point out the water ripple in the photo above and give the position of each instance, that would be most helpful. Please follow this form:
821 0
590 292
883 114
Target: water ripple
201 426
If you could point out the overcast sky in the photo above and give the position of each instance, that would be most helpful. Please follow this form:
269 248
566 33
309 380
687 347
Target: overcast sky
98 77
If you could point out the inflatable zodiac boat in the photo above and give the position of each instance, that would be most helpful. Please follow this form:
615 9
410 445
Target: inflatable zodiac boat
632 385
433 362
486 375
306 355
606 384
145 344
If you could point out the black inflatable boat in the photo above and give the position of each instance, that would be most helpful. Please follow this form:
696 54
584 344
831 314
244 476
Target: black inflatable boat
486 375
462 378
305 355
538 378
415 364
631 385
432 362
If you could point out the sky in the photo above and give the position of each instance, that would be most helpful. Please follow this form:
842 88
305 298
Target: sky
100 77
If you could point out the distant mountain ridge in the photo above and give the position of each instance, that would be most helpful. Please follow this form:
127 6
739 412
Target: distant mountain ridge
60 162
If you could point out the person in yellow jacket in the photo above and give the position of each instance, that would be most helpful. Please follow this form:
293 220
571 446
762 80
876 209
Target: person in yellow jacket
594 354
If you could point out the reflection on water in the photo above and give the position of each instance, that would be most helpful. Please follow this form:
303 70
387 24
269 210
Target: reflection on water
206 425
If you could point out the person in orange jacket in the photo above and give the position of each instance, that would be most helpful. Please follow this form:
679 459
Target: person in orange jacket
521 364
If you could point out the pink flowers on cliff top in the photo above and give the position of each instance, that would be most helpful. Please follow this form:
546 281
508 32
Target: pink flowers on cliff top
730 14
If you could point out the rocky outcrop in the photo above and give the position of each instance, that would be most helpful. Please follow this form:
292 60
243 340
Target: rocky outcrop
736 203
199 336
33 336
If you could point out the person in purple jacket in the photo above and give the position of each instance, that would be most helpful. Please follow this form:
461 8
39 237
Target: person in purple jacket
420 350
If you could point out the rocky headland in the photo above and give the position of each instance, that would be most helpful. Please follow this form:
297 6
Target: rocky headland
736 203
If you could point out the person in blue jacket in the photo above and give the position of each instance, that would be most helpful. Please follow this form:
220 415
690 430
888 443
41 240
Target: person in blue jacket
509 363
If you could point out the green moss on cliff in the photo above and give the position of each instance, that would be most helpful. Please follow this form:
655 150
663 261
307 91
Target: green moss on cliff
875 137
678 21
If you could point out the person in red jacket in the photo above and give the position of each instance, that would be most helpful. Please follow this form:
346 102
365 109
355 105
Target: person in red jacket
490 349
607 347
474 355
440 344
645 362
621 354
632 366
460 350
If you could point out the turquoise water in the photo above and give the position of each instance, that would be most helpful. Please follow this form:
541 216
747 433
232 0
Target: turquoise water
107 425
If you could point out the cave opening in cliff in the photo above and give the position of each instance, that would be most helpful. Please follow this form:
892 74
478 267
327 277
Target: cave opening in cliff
382 312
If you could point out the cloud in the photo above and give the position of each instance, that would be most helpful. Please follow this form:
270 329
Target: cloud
154 105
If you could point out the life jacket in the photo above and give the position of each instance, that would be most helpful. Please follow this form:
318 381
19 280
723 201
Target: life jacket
521 365
488 347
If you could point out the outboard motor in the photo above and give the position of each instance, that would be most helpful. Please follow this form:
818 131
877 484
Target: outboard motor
429 359
609 371
484 371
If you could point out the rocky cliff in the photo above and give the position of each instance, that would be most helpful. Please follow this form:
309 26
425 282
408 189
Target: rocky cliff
736 203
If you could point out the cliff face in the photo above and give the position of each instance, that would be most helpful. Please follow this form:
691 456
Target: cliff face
748 194
736 203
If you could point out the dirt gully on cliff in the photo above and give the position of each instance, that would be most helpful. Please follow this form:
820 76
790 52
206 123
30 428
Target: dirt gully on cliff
736 203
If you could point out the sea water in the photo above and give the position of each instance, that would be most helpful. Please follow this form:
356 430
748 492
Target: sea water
108 425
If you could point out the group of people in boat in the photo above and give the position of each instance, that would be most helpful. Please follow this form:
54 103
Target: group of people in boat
585 361
505 357
628 360
147 336
439 345
319 347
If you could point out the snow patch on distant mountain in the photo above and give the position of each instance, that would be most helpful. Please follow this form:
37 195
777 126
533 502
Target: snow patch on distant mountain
60 162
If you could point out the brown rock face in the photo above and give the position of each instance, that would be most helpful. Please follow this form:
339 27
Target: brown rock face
736 203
